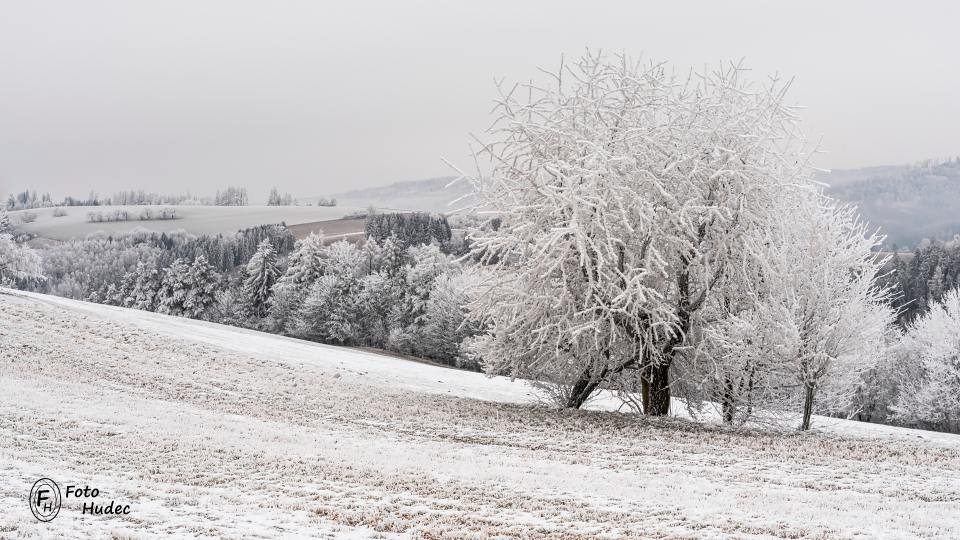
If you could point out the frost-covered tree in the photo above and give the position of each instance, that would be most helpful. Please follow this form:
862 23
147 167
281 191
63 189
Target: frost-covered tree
446 327
18 262
624 195
808 332
329 311
739 363
393 256
304 266
143 287
117 293
232 196
227 307
929 394
375 301
174 286
428 263
262 273
187 290
275 199
5 226
837 313
373 254
414 283
204 284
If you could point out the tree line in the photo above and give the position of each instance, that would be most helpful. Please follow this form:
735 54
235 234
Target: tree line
229 196
404 294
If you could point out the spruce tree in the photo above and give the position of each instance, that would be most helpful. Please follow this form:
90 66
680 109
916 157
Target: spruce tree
173 288
262 274
203 288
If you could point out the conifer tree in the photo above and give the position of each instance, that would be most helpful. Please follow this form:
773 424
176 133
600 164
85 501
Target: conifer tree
201 295
262 274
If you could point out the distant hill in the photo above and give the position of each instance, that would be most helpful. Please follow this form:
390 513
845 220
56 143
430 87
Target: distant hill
430 195
909 202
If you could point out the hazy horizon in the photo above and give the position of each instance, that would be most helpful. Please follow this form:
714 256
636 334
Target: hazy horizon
317 99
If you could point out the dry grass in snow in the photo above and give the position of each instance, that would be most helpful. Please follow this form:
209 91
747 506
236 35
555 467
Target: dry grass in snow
211 431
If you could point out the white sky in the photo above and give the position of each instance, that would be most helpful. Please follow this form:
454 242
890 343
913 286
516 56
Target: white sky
317 97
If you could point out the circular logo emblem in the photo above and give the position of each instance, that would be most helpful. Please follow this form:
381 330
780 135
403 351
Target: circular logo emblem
45 499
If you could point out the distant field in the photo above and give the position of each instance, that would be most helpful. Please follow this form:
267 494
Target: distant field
193 219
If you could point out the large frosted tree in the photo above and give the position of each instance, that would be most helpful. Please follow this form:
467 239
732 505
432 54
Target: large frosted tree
624 196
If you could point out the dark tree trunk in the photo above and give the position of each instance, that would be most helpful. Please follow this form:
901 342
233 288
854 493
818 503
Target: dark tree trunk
588 382
659 390
645 391
581 390
729 407
807 406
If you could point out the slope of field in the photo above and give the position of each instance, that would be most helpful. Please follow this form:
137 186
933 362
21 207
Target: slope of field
207 430
193 219
350 229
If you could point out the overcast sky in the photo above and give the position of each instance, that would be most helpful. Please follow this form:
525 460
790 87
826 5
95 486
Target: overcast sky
316 97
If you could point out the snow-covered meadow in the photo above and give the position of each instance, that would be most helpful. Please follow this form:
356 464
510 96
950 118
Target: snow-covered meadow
193 219
208 430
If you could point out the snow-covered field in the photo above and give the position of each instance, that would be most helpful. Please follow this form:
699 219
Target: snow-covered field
193 219
207 430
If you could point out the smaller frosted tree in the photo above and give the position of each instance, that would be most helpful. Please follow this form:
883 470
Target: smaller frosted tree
262 273
18 262
5 226
446 325
329 311
929 393
428 264
173 288
118 294
835 311
305 265
204 282
227 308
142 293
374 302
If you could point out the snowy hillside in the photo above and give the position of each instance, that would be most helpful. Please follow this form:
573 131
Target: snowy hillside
909 202
207 430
